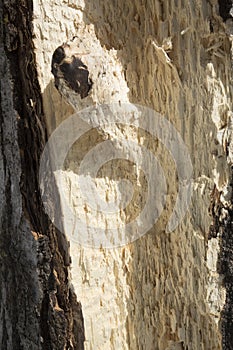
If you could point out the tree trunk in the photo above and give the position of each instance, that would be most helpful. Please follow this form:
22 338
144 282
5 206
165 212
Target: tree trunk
38 307
159 288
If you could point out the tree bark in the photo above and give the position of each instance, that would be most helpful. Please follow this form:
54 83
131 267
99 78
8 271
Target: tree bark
162 291
39 309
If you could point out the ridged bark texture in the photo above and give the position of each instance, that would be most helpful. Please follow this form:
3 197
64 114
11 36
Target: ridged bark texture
38 309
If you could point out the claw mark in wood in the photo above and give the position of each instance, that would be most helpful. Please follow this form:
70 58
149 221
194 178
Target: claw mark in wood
71 70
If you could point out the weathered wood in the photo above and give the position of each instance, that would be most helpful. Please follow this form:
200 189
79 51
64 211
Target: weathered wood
165 291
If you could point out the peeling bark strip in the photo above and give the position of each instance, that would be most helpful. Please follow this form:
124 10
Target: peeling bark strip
38 309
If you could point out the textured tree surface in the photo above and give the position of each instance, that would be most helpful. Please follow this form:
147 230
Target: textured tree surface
38 308
164 291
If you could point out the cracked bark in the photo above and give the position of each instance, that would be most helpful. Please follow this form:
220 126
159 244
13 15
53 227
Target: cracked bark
38 308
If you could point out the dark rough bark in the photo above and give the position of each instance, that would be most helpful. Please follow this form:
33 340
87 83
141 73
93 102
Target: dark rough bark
225 9
38 309
223 225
